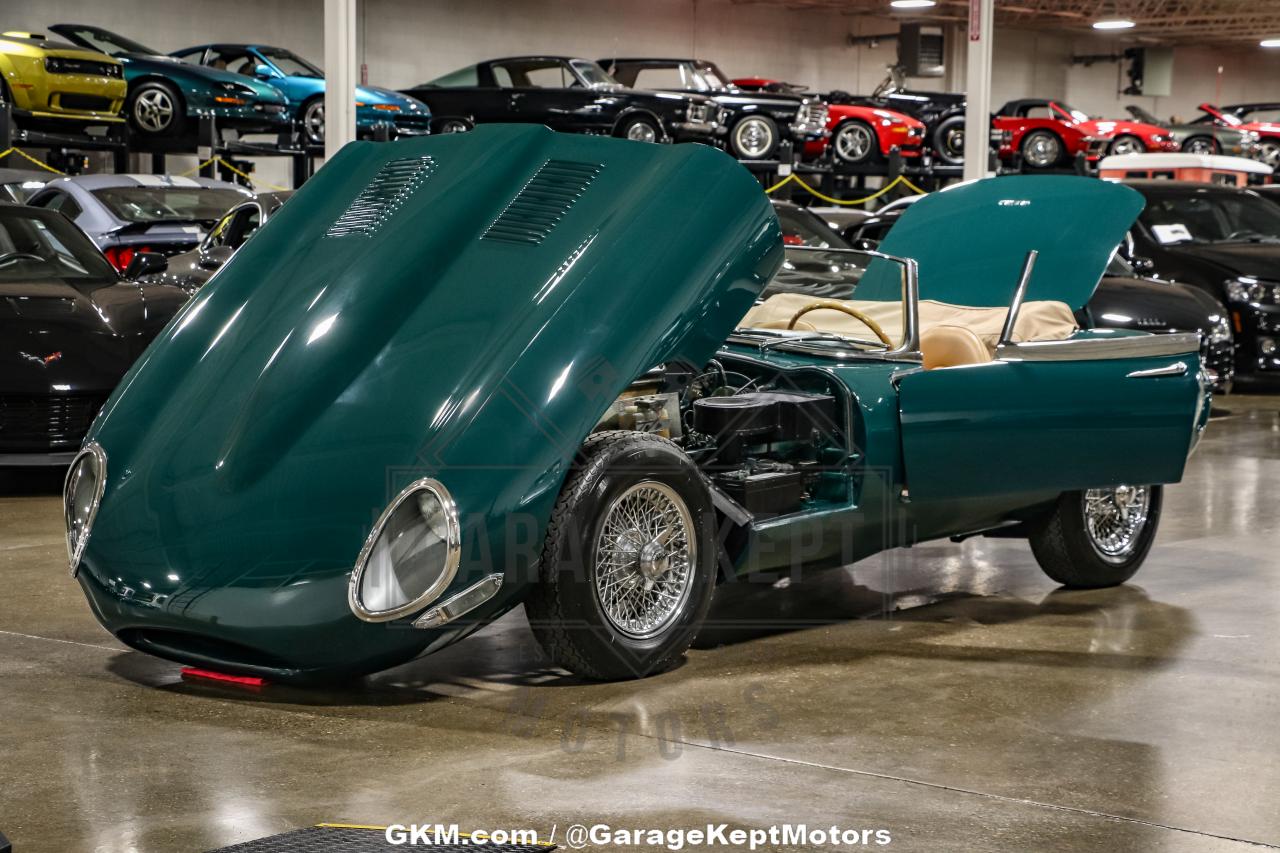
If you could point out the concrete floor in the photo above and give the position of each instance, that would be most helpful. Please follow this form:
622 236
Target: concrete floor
949 694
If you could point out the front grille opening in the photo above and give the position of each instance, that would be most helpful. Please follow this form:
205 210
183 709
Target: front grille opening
35 423
185 647
389 189
542 202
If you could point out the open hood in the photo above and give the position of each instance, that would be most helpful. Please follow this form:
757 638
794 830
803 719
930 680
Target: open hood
463 306
970 240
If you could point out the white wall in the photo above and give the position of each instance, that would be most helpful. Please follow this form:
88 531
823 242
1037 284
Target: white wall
404 42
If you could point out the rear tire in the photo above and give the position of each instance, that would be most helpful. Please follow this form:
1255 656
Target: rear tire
1098 537
311 116
629 564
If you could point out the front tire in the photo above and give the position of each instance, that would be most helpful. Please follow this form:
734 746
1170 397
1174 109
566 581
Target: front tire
855 142
755 137
1201 145
1097 537
312 118
640 129
629 564
155 110
1127 144
1041 149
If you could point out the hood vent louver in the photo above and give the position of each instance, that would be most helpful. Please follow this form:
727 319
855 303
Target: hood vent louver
542 202
393 183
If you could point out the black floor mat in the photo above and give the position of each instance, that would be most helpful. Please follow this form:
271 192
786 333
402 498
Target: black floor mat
329 839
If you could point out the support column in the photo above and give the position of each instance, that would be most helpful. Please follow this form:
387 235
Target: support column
341 70
977 122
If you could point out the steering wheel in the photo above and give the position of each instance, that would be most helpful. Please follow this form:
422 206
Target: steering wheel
9 257
845 309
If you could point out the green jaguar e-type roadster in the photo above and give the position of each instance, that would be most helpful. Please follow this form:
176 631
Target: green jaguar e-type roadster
467 372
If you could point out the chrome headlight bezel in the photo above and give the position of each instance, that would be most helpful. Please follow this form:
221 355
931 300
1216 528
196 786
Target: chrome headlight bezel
94 453
453 553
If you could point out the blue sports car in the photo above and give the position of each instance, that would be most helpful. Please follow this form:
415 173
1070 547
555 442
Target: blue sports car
303 84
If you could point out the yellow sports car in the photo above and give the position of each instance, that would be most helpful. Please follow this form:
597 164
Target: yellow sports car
53 83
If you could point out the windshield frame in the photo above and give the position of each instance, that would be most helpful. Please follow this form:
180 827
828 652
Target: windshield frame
272 54
810 343
126 45
97 269
105 197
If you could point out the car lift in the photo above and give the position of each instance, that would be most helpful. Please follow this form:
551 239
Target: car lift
66 150
211 147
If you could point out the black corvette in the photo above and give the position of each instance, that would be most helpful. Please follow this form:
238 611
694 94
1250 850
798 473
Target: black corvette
565 94
755 122
1225 241
70 327
1124 298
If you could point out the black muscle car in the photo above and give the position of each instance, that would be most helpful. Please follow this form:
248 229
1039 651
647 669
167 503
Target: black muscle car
756 122
70 327
566 94
1225 241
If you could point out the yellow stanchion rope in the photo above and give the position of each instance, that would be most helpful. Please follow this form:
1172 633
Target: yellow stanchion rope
222 162
21 153
794 178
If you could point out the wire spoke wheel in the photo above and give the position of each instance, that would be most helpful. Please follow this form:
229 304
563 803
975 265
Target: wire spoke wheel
854 142
1115 519
644 558
153 110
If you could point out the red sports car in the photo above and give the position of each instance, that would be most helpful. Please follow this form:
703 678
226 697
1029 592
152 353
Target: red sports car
1049 134
856 134
1268 131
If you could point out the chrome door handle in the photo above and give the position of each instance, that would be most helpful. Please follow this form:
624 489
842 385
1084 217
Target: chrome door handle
1178 368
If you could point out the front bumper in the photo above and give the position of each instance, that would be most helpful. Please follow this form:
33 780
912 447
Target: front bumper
81 98
252 116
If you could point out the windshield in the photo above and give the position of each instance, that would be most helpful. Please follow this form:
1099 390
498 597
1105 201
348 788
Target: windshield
106 41
1204 217
168 204
37 245
802 228
289 63
1069 112
709 77
593 74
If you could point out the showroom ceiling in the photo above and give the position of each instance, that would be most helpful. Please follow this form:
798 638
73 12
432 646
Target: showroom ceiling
1157 21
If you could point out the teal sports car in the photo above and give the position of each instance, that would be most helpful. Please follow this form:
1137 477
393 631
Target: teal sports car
303 84
168 96
466 372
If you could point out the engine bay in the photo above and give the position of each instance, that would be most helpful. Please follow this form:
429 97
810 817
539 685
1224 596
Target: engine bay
774 442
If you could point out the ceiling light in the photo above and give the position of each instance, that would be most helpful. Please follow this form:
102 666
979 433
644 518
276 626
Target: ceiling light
912 4
1113 24
1270 42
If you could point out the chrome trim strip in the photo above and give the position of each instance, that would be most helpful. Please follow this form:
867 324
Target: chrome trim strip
1024 279
452 558
1099 349
461 604
1178 368
74 553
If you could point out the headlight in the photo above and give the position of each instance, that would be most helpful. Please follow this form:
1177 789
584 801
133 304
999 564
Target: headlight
1249 289
81 495
1219 331
411 554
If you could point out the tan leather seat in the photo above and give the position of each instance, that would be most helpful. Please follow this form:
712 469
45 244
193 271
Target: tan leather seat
951 346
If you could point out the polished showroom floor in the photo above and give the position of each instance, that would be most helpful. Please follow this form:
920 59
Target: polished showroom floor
949 694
